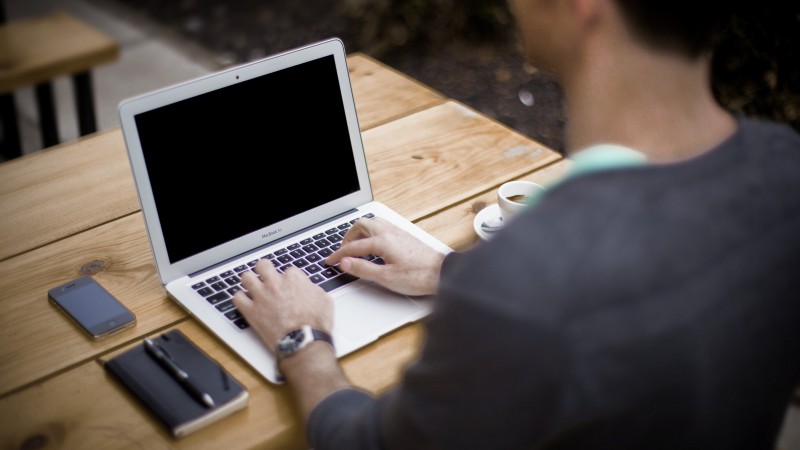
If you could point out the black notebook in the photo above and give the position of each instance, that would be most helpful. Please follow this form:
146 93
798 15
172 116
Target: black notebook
181 412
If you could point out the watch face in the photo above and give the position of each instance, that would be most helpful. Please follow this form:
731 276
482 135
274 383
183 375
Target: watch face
290 342
295 340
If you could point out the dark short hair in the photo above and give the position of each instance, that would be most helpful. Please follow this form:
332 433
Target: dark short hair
689 27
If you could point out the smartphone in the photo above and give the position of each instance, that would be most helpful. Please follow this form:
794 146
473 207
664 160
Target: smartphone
91 307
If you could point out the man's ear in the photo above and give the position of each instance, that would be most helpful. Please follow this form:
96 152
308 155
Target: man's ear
588 13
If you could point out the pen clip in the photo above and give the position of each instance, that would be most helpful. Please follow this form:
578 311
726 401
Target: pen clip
164 350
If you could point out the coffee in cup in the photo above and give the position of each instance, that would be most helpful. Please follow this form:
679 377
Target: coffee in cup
519 198
514 196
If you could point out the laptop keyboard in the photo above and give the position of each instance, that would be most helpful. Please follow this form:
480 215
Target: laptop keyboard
308 254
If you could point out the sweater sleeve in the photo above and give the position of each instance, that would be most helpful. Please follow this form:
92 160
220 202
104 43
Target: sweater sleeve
344 420
468 389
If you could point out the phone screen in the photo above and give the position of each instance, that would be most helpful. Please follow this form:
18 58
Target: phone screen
92 307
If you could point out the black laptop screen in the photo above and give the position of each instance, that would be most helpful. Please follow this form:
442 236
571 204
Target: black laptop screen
235 160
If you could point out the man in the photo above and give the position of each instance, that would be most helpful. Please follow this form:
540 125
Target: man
652 306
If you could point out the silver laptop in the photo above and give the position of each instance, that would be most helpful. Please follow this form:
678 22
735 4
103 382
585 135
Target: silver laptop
280 132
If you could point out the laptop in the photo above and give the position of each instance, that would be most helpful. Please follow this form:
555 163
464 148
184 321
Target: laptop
282 133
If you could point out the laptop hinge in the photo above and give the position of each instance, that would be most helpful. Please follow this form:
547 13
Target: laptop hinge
271 243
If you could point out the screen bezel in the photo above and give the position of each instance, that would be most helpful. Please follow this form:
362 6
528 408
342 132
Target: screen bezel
128 109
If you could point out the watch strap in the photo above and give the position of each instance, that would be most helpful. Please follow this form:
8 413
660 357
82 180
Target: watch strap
295 340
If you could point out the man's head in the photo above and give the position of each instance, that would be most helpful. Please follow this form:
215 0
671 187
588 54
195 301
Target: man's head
679 25
552 29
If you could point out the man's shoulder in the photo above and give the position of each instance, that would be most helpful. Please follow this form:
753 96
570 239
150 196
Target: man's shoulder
765 127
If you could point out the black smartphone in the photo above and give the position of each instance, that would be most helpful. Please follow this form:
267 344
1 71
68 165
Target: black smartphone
91 307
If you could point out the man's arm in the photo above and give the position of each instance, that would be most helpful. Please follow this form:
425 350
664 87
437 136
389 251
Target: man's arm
313 374
275 304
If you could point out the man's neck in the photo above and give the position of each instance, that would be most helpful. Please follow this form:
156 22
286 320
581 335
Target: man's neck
660 105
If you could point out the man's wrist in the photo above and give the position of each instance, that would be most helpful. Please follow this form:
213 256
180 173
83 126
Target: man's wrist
296 340
313 374
316 358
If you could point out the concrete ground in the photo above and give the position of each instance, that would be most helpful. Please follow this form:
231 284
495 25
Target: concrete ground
152 57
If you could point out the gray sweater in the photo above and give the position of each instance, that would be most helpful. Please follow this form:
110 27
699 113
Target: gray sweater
650 307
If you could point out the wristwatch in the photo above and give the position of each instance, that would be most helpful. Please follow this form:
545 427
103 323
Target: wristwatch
293 341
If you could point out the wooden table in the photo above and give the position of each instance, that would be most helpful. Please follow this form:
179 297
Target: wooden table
72 210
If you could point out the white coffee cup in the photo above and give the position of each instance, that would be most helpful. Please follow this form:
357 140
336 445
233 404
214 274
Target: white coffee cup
514 196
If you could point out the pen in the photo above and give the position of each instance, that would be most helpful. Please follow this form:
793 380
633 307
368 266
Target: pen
179 374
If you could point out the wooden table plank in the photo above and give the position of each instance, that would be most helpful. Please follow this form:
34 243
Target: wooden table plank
63 190
441 155
383 94
53 193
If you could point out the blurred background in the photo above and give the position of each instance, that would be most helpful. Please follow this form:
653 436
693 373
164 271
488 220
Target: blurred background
466 49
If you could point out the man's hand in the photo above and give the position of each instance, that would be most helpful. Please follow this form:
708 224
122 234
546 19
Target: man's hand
410 268
275 304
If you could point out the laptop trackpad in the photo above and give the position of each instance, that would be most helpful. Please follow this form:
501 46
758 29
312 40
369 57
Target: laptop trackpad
370 311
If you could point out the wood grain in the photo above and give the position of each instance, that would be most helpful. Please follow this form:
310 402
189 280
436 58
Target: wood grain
435 158
64 190
383 94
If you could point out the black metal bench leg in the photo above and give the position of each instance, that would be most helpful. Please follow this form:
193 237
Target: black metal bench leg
84 99
47 114
10 146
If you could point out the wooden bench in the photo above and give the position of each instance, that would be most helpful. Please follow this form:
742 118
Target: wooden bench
33 52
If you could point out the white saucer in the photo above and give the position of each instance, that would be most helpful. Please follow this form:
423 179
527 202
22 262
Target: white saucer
491 212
